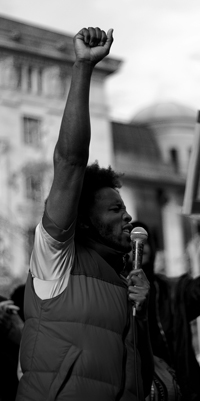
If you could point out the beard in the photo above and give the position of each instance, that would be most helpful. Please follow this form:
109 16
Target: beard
105 234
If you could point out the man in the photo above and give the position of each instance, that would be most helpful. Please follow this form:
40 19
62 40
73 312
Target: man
78 338
173 304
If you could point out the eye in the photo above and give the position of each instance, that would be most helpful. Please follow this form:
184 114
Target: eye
115 208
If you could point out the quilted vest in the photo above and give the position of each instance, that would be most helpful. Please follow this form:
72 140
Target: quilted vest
79 345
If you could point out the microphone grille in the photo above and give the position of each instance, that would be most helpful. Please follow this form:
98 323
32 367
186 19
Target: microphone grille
139 233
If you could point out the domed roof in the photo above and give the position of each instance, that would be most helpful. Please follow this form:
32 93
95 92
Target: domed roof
165 111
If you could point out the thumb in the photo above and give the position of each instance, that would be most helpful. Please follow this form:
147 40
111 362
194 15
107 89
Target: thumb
110 39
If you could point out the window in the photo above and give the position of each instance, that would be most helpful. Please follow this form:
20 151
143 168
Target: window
32 131
174 159
39 81
19 76
29 78
34 187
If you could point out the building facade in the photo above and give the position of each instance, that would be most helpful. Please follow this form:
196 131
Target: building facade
154 151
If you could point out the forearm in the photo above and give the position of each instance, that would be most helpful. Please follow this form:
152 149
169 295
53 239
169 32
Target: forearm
72 149
145 350
74 136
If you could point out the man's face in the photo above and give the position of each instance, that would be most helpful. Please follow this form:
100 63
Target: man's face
112 222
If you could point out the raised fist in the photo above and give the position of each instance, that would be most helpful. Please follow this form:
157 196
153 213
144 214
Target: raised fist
93 44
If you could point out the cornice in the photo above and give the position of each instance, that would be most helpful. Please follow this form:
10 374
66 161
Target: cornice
25 39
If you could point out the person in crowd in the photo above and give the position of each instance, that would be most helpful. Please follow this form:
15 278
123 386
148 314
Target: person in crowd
173 304
11 327
78 339
17 297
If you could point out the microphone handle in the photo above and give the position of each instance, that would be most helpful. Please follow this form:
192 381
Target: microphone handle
137 252
138 247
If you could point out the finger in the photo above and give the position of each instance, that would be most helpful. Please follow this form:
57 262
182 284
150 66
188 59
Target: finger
137 274
103 38
133 272
140 297
98 34
86 35
109 40
95 36
13 307
136 289
6 303
135 280
135 298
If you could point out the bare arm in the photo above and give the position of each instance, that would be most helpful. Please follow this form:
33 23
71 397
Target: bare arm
72 149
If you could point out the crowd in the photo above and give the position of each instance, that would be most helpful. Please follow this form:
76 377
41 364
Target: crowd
173 304
73 324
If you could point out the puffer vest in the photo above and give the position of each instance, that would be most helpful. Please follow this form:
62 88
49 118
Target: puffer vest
79 345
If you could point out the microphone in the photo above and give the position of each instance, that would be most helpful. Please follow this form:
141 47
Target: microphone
138 238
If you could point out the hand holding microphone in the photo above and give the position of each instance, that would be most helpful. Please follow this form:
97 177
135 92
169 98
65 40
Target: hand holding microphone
138 285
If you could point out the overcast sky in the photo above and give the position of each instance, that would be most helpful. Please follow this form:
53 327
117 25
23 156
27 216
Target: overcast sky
158 41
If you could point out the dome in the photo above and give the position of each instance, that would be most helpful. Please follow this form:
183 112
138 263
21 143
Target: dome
165 111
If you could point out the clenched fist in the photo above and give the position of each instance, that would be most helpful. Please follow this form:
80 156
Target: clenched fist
92 44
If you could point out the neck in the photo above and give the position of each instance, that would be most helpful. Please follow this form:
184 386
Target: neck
113 257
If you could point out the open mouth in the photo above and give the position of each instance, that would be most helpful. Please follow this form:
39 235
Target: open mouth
126 232
127 229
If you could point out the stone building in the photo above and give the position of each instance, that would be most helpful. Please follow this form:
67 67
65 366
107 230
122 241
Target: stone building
35 73
153 151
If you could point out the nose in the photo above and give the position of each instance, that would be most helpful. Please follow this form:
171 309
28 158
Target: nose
127 217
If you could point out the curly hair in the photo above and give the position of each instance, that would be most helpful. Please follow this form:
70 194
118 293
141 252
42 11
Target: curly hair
96 178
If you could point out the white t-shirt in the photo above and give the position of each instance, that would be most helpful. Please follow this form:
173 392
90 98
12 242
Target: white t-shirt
51 262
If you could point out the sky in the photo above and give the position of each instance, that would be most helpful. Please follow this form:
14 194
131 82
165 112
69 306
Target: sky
157 40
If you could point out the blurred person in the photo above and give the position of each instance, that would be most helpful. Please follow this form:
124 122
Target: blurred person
78 339
173 304
17 297
11 327
192 254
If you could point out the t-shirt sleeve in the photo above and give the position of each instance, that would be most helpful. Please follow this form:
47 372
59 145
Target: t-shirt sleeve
52 258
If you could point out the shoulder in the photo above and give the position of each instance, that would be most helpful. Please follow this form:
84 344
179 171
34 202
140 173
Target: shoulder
51 230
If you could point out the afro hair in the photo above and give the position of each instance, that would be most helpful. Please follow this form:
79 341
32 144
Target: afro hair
96 178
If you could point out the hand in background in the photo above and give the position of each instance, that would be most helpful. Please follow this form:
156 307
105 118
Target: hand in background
8 306
11 324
